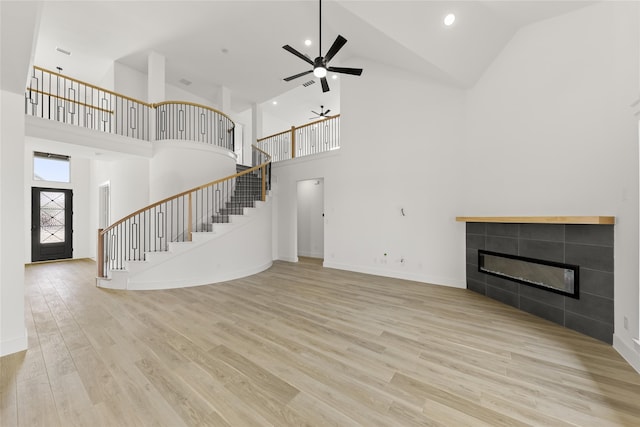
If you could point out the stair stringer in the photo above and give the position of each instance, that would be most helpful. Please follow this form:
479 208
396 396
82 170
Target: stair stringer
237 249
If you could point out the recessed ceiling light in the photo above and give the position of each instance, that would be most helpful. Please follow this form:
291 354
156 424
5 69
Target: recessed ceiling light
335 76
275 102
307 42
449 19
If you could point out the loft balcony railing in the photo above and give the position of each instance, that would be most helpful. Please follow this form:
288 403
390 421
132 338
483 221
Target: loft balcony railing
53 96
174 219
313 138
194 122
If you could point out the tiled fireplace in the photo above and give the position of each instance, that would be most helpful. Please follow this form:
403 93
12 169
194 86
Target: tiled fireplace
578 250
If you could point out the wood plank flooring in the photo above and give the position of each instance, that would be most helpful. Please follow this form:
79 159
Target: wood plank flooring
299 345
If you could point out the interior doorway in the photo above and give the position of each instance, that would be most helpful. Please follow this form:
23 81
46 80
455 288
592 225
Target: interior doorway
51 224
310 198
104 205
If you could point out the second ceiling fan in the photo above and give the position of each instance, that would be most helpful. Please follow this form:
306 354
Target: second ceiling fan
320 64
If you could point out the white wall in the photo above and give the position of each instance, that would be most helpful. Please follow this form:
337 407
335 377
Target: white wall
178 166
130 82
310 201
407 157
13 333
271 124
80 178
133 83
129 179
550 132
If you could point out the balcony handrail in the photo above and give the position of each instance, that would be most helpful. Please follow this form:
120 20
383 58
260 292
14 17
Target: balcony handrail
187 213
298 127
128 98
71 100
194 104
312 138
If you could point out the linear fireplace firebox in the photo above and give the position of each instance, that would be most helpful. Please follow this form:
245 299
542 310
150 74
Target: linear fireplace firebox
552 276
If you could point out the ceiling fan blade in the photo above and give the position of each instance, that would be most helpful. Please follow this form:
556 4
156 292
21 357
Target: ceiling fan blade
298 54
317 114
353 71
325 85
326 112
288 79
335 47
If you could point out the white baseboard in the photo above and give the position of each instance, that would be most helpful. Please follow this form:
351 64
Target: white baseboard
442 281
630 353
14 345
311 254
289 258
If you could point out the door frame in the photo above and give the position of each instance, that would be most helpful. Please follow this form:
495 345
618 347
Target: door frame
66 248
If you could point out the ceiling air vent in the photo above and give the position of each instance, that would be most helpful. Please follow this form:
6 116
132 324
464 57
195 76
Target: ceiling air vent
309 83
185 82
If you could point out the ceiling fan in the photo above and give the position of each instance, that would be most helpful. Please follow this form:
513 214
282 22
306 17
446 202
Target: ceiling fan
321 114
320 64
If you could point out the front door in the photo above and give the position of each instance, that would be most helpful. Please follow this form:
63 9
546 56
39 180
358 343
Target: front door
51 219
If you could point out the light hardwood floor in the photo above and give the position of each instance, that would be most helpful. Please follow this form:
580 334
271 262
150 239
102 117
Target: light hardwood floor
301 345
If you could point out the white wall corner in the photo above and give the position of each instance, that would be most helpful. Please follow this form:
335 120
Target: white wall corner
630 354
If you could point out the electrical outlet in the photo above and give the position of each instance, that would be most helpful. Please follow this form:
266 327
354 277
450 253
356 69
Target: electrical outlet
626 323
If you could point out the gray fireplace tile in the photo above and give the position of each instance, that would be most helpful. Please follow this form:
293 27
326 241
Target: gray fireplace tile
550 251
478 287
554 314
543 296
601 235
589 256
591 306
472 256
507 285
593 328
474 274
476 228
547 232
503 296
499 229
475 241
505 245
596 283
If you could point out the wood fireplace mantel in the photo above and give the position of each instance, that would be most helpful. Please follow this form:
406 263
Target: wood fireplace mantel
540 219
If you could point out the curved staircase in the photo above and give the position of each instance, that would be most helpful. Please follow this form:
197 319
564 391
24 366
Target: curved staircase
224 233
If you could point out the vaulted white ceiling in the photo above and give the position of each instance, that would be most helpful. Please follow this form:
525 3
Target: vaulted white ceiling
238 44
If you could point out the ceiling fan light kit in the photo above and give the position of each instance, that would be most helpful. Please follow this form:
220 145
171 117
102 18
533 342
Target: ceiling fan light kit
322 114
320 64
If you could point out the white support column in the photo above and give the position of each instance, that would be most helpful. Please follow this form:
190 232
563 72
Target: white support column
224 100
155 78
19 23
155 87
256 131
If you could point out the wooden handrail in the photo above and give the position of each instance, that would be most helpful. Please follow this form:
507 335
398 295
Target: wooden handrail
94 86
150 105
70 100
294 128
193 104
184 193
275 134
318 121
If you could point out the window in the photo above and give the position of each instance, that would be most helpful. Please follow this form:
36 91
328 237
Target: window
50 167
